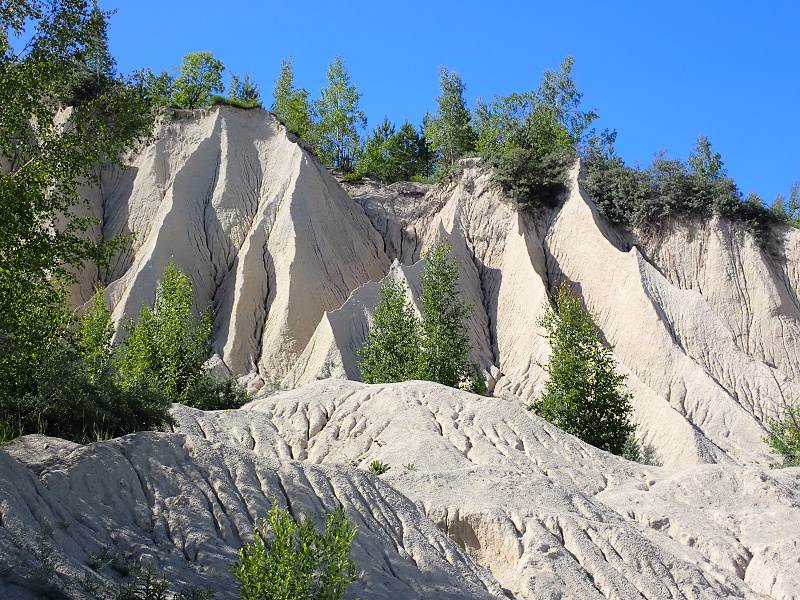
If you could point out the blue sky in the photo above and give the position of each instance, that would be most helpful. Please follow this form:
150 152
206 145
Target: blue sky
660 73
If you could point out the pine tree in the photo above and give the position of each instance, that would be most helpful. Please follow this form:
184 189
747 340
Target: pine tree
377 158
445 343
291 105
584 396
244 90
449 131
391 352
98 61
340 120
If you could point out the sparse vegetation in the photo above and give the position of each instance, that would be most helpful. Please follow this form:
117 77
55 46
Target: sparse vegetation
378 467
636 451
293 561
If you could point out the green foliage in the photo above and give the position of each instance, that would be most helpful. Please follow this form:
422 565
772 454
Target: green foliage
636 451
400 347
93 337
530 139
378 467
786 210
244 91
340 121
395 155
77 392
95 66
168 345
449 132
445 343
584 395
392 350
293 561
672 188
531 181
154 90
291 104
199 76
784 434
47 154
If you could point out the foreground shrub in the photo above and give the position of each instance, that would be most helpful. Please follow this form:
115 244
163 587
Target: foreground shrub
76 391
293 561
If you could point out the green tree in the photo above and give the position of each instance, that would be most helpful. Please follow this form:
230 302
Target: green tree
154 90
391 154
95 68
391 352
530 139
584 396
98 58
94 335
378 158
291 104
786 210
199 76
244 90
340 120
445 343
76 391
449 130
288 560
169 345
46 154
703 162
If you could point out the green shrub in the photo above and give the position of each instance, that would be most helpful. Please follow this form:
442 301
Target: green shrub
293 561
530 180
168 346
378 467
784 435
636 451
76 391
584 394
229 101
672 188
72 403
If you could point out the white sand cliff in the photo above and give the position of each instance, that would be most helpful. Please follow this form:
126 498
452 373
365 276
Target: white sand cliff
705 323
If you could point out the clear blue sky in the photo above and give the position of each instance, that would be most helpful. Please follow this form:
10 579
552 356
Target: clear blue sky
660 73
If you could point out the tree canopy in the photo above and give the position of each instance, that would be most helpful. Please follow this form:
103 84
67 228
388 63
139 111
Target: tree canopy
449 130
291 104
46 152
340 120
199 76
